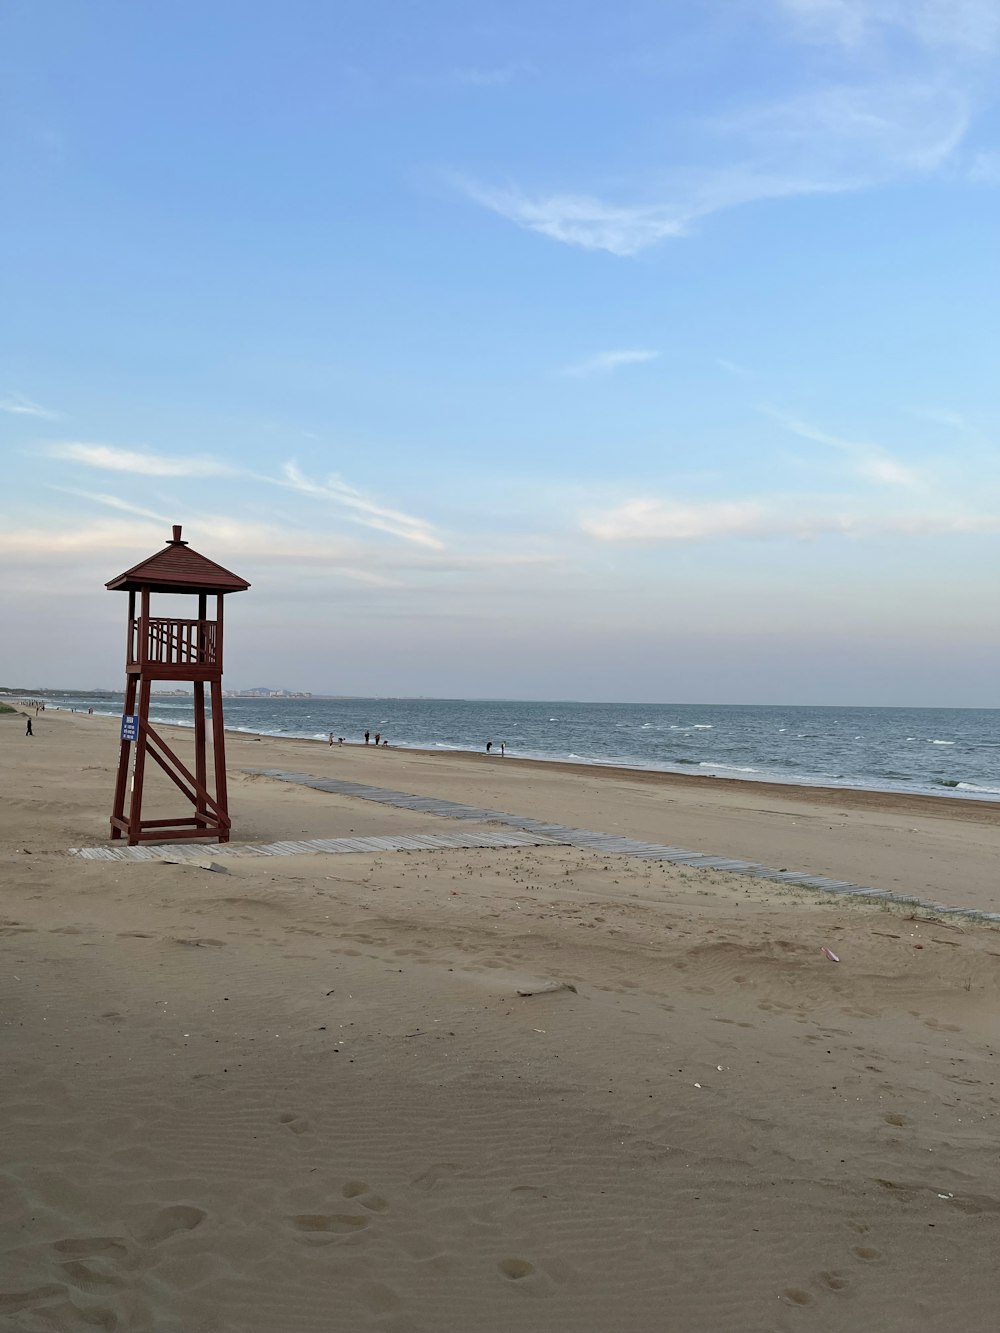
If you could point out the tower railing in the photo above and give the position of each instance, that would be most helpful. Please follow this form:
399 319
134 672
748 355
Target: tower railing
173 643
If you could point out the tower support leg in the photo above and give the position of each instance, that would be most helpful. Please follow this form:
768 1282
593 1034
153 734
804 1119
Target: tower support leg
200 758
135 804
124 757
219 756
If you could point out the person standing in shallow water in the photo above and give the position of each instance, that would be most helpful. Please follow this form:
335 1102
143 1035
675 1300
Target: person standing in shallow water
367 735
489 746
378 737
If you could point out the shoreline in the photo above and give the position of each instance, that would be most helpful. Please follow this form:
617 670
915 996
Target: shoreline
983 808
965 807
919 846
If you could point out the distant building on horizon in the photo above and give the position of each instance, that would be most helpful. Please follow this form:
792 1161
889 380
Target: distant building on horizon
264 692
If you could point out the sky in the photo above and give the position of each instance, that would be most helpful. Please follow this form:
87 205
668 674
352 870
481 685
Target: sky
529 349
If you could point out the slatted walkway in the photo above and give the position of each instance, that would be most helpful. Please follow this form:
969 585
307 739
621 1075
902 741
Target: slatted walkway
424 842
612 844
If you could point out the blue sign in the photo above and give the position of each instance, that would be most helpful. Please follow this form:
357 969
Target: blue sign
130 727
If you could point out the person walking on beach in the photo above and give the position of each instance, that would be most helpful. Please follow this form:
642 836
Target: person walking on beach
378 737
367 734
29 732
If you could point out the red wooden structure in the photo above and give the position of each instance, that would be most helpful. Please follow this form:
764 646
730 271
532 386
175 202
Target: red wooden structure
165 648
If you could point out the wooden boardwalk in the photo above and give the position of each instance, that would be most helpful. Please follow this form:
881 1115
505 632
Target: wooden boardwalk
518 831
614 845
184 851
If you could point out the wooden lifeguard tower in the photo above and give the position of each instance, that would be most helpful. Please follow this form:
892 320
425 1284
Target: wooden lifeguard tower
166 648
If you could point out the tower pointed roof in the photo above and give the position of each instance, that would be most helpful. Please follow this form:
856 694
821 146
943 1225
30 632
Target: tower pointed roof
178 569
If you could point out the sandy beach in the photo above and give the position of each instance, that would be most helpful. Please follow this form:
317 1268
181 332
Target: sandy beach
306 1094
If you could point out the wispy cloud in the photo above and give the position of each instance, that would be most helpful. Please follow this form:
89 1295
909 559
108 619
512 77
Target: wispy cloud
969 26
141 463
843 137
603 363
900 90
358 507
830 141
580 219
940 417
240 543
870 460
17 405
733 368
113 502
363 510
656 522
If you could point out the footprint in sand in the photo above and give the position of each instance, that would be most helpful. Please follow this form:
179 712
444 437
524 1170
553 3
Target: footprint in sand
516 1269
357 1189
326 1228
796 1296
527 1278
527 1192
438 1172
169 1221
13 1302
833 1281
867 1254
298 1124
92 1247
89 1279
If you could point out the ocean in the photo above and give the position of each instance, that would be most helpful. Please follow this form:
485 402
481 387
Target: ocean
937 751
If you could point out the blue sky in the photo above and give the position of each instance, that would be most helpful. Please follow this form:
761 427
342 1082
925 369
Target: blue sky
641 352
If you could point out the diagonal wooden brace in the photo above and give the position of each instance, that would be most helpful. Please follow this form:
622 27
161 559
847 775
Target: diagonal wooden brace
153 739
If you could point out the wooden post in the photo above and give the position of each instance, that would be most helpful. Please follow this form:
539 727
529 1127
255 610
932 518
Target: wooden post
200 765
124 756
135 804
218 725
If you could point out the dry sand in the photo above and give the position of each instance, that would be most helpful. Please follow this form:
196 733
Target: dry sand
305 1094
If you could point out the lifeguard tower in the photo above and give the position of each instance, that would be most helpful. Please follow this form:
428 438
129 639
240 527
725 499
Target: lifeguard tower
169 649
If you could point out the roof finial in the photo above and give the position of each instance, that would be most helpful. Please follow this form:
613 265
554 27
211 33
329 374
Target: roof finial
177 537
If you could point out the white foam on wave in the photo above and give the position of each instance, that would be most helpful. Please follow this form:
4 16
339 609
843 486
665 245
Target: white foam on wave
972 786
733 768
941 742
704 726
